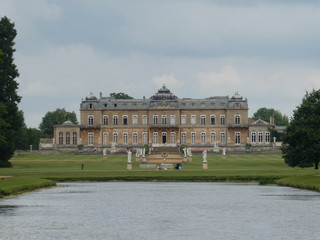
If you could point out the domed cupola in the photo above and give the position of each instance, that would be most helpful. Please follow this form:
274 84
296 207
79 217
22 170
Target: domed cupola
91 97
163 94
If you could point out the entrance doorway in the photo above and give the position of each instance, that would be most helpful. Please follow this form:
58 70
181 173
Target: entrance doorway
164 138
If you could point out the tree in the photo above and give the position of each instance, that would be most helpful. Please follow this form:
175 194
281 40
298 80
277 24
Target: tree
266 113
10 121
120 95
56 117
301 144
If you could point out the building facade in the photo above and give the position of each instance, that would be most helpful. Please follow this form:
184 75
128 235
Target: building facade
163 119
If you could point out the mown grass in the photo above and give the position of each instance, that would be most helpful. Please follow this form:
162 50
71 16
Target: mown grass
35 168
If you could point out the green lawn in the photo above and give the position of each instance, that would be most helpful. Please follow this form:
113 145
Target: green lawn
33 170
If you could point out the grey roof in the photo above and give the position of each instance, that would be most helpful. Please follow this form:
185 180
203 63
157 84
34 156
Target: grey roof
260 122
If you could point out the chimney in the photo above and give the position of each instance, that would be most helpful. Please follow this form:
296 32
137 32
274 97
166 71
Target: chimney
272 120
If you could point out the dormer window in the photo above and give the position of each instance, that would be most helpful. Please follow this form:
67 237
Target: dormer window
90 106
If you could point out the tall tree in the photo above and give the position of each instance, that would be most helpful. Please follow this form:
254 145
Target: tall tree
10 121
120 95
266 113
301 144
56 117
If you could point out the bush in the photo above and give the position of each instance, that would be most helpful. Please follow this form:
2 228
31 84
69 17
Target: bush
146 148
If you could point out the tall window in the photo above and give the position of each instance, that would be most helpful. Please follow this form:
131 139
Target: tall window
193 119
60 138
125 120
164 119
115 120
212 119
203 119
74 138
144 138
135 138
67 138
222 119
267 137
90 120
144 119
135 120
237 119
155 137
172 137
213 138
260 138
125 138
115 138
253 137
90 138
183 119
105 138
223 137
155 119
237 136
203 138
172 119
105 120
193 138
183 138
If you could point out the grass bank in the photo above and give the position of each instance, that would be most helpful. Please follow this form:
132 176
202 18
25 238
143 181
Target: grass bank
33 170
304 182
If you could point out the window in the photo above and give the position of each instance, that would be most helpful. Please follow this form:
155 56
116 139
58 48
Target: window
223 138
267 137
237 119
203 119
144 119
144 138
193 119
105 138
155 119
203 138
135 138
74 138
90 138
60 138
125 138
172 119
237 138
90 120
193 138
90 106
253 137
183 138
213 138
155 137
125 120
260 138
67 138
183 119
135 120
105 120
115 138
164 119
115 120
173 138
222 119
212 119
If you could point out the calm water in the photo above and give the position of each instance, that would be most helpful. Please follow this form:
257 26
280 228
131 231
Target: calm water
153 210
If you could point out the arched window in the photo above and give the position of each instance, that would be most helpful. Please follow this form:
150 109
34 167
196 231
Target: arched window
164 119
172 137
203 119
172 119
237 138
144 119
90 120
183 119
60 138
115 120
67 138
253 137
237 119
260 138
105 120
193 138
74 138
183 138
125 138
115 138
155 137
144 138
213 138
135 138
193 119
222 119
125 120
105 138
223 137
155 119
203 138
212 119
267 137
90 138
134 119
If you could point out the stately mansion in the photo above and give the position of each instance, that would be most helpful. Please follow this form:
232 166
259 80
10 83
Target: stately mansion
164 120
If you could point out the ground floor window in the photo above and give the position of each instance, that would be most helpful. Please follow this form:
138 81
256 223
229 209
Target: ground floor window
60 138
183 138
237 138
105 138
223 138
173 138
135 138
253 137
90 138
125 138
193 138
213 138
115 138
203 138
74 138
267 137
155 138
260 137
144 138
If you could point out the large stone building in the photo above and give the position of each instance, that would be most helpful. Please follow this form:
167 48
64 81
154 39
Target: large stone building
163 119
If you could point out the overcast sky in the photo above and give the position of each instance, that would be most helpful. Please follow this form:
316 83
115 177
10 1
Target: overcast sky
267 50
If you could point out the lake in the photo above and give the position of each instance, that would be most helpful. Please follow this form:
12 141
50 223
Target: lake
161 210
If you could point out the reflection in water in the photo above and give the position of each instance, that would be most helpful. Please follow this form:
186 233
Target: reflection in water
156 210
